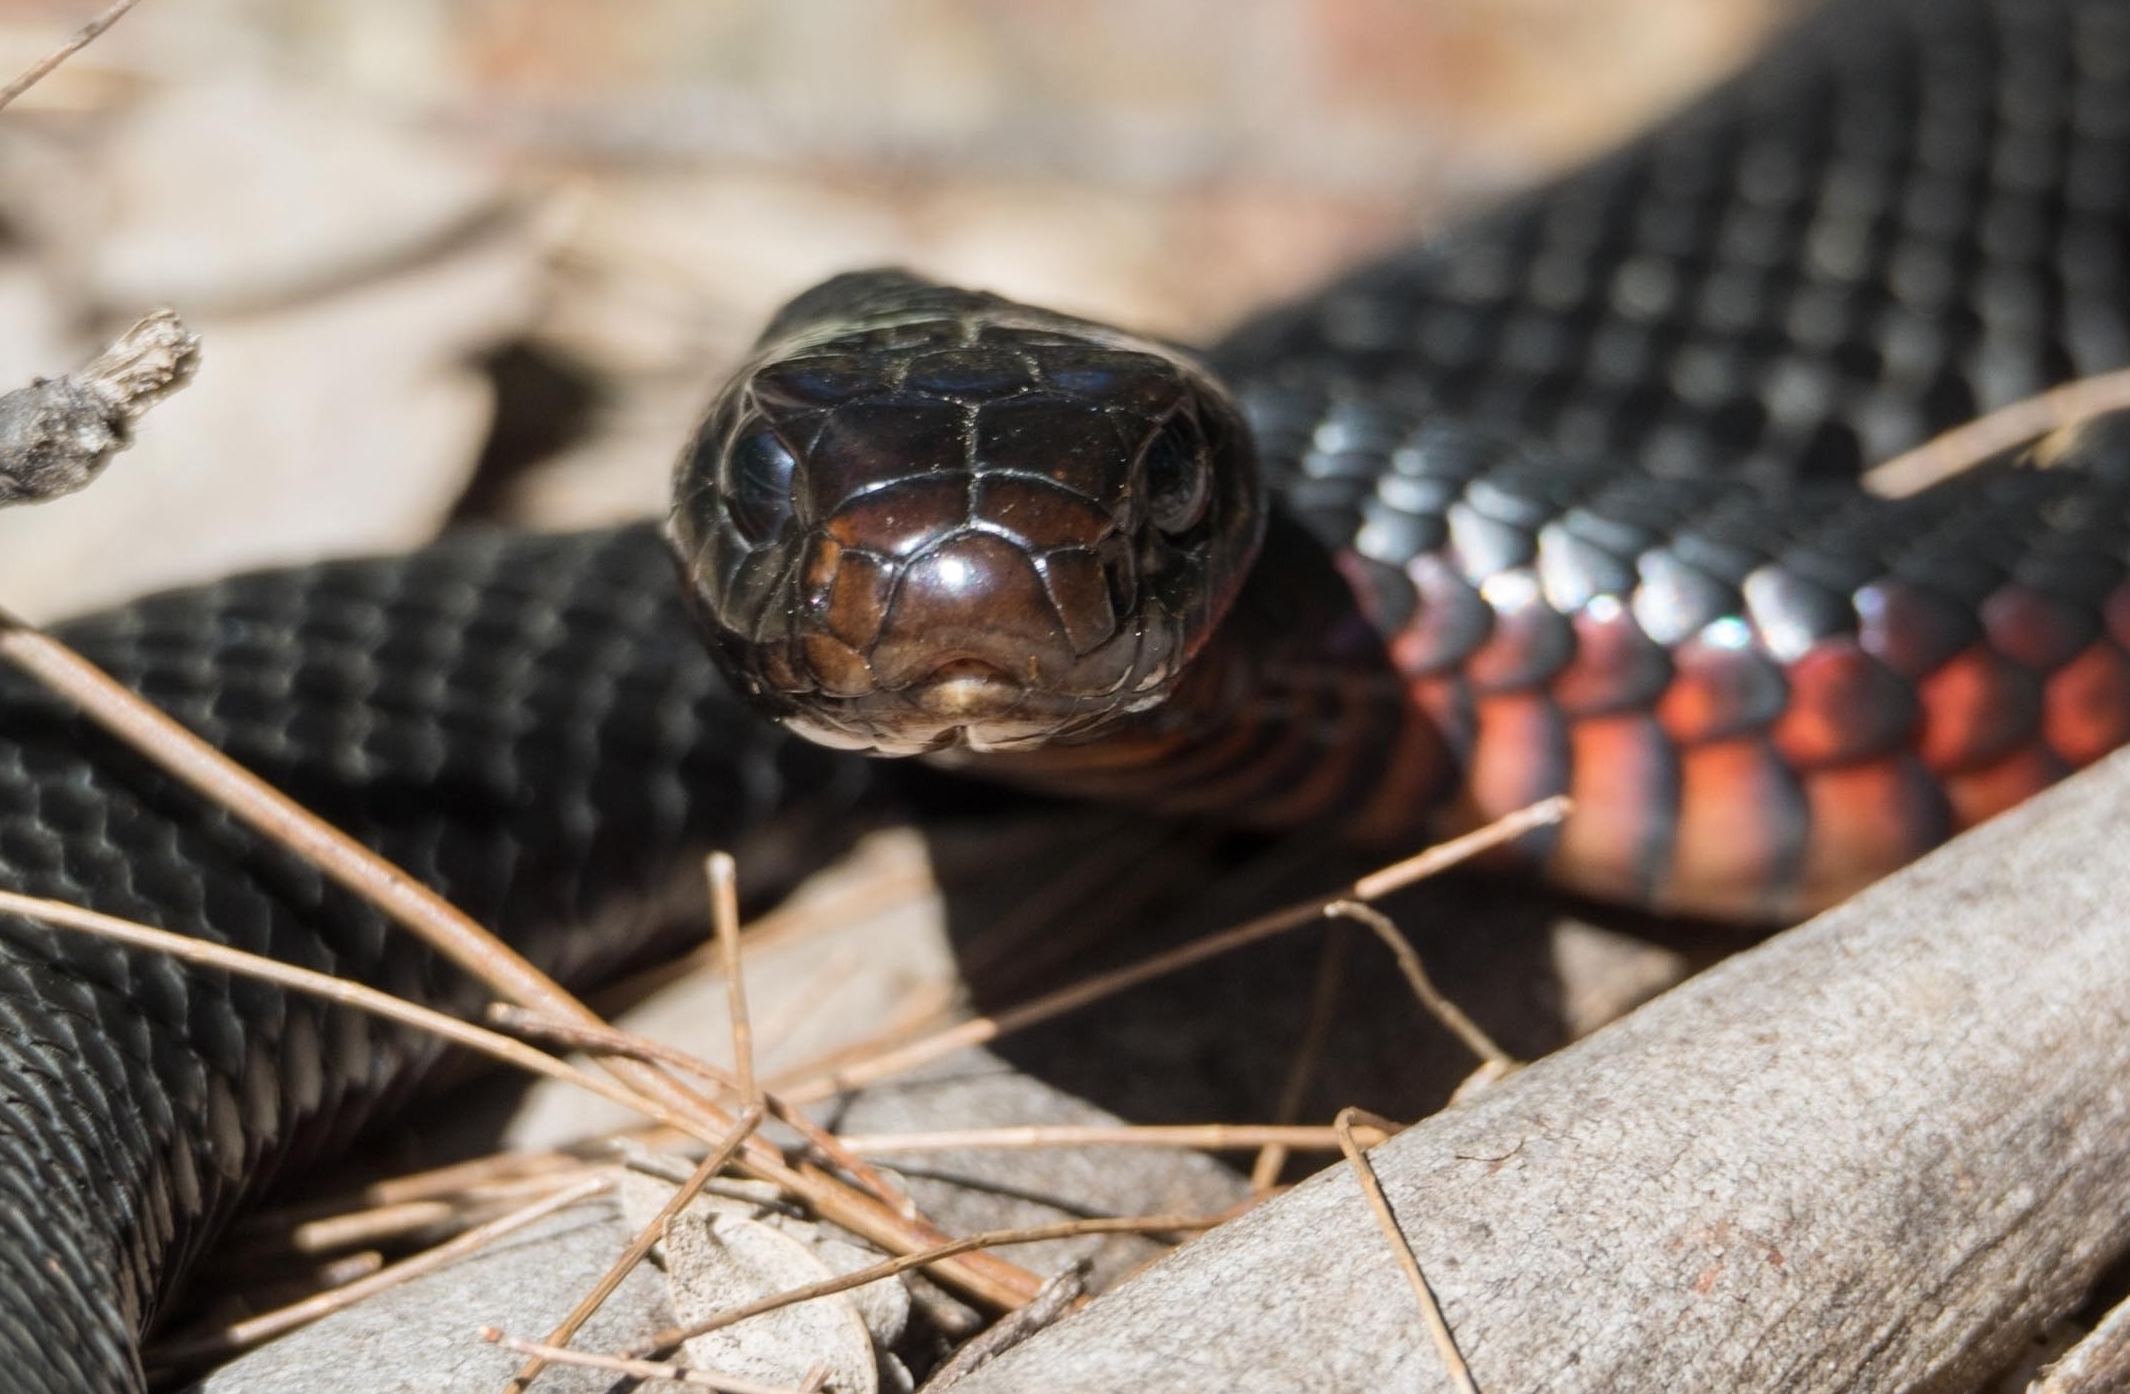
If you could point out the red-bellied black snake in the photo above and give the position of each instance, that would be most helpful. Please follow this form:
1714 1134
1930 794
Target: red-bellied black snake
1563 501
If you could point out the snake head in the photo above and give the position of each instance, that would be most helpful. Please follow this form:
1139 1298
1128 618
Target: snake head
922 518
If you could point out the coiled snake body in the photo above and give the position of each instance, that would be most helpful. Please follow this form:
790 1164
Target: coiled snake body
1563 502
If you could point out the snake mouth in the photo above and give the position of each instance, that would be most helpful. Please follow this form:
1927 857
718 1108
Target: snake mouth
964 705
968 690
1027 733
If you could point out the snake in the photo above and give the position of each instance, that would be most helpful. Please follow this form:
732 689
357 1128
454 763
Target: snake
1567 499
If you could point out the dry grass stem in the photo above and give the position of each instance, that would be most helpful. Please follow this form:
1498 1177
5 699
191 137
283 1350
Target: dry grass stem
339 990
482 1184
545 1354
1308 1053
1200 1137
1962 448
470 1177
1121 875
888 870
928 1007
1430 1309
985 1029
831 975
80 39
608 1040
372 1226
198 765
1431 998
240 1335
592 1301
858 1278
349 1267
318 1230
1358 1118
1435 860
723 876
897 874
1052 897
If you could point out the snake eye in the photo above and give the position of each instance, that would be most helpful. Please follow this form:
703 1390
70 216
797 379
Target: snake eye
1177 479
757 484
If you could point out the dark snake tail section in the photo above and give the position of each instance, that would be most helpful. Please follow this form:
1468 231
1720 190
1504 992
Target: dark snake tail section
528 724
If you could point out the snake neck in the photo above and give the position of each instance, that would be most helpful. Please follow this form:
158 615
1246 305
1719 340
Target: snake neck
1291 715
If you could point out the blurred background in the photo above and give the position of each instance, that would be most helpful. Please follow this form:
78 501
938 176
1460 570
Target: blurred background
483 259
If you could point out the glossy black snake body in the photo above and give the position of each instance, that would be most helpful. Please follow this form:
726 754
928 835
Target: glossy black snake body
1664 585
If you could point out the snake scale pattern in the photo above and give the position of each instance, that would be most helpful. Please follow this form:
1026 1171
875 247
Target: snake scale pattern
1567 501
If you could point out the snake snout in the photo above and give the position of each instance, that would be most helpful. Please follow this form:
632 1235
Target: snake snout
972 607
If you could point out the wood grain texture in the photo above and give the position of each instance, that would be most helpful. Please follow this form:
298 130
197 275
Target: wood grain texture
1875 1153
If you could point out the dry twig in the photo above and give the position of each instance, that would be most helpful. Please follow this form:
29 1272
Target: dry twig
484 1182
723 876
1438 1006
640 1246
57 434
338 990
860 1277
239 1335
1963 447
985 1029
606 1040
375 1225
1308 1054
79 40
1201 1137
1430 1309
543 1353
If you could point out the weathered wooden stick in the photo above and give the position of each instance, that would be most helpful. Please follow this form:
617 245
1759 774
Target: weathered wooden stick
1875 1153
2099 1364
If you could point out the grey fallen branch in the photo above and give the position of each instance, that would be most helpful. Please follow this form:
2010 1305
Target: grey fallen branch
1043 1310
57 434
1878 1152
2099 1364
